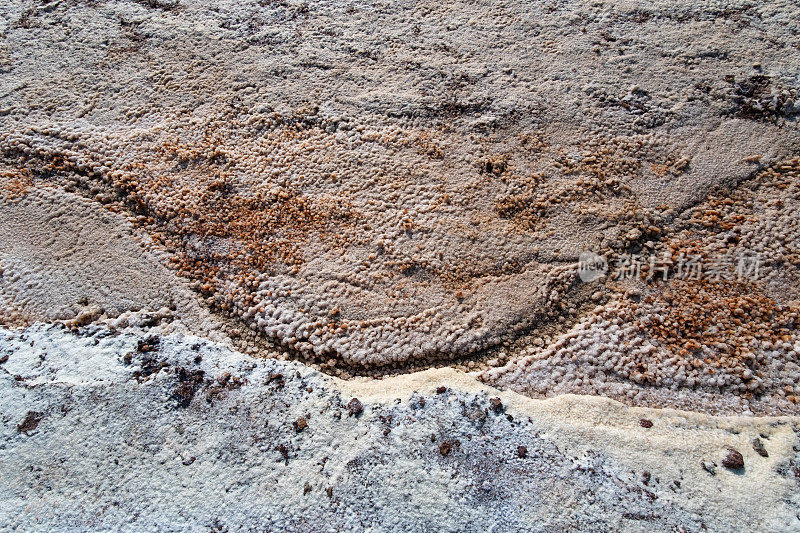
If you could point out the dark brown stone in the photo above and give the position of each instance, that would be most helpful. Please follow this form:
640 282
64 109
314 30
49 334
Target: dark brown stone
300 424
30 423
497 405
354 407
733 460
758 446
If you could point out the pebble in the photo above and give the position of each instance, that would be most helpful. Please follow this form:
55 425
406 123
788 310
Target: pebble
733 460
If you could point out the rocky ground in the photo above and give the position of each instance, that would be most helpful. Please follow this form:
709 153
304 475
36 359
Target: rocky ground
106 430
222 221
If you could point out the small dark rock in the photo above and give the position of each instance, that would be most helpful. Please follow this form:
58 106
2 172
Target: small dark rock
189 382
522 452
149 366
190 460
30 423
3 359
183 394
645 423
300 424
354 407
758 446
284 451
709 467
646 477
189 376
733 460
439 390
276 378
307 488
445 448
147 345
497 405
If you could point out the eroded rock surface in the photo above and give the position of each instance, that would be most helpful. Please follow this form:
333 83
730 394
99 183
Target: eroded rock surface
377 184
